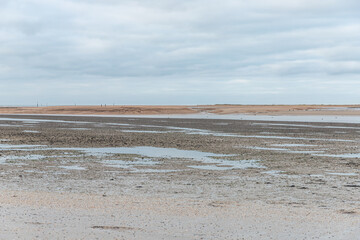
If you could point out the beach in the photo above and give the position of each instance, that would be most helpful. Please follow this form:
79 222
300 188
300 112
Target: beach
220 109
136 177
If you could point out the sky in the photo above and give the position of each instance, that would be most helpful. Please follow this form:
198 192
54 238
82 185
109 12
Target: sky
65 52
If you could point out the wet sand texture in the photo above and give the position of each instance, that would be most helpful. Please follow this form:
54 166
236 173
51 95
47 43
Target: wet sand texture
77 177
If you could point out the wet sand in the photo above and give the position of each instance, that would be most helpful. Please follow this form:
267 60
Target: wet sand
158 178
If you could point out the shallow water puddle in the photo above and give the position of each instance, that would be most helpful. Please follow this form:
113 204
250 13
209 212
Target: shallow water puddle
211 167
342 174
75 167
35 121
153 170
31 157
146 151
11 125
303 125
221 165
282 149
274 172
345 155
143 131
35 171
336 109
294 145
221 124
156 152
25 147
118 124
129 164
298 138
30 131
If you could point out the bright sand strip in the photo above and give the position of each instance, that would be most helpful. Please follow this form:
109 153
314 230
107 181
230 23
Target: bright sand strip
84 216
351 110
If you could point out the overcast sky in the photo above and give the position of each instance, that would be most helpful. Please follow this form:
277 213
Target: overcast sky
179 51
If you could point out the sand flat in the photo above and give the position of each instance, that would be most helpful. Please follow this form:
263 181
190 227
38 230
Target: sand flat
84 216
82 177
341 110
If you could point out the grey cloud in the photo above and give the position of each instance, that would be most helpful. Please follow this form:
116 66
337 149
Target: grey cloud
198 49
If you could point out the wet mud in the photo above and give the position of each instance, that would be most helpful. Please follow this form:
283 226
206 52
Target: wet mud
282 164
222 159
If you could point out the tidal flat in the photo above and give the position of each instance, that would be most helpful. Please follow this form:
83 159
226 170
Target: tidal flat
84 177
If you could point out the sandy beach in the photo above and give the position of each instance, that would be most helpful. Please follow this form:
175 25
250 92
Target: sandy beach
180 120
347 110
89 177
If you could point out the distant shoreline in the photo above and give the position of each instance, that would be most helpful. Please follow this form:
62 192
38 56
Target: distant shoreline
337 110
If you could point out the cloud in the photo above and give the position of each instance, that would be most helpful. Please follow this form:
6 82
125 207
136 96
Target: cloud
201 51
